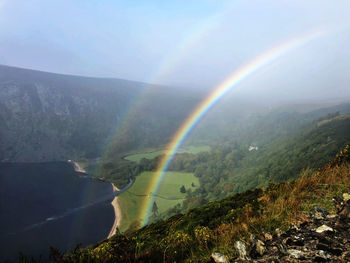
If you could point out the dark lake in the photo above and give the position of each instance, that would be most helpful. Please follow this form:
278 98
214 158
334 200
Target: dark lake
48 204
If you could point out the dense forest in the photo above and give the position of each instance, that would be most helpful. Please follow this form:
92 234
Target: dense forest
271 149
233 168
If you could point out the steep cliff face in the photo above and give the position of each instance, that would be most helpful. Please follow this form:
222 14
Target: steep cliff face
46 116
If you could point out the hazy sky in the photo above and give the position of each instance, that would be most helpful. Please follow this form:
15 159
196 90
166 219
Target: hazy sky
193 43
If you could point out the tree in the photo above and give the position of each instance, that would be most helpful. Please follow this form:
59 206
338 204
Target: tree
155 209
183 189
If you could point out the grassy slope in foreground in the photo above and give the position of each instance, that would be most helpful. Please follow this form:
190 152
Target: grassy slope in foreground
168 196
215 226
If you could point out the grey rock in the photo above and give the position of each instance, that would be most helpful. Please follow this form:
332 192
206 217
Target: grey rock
314 240
346 197
322 254
323 228
294 253
219 258
241 249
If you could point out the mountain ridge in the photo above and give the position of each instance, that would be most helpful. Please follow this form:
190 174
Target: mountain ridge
55 114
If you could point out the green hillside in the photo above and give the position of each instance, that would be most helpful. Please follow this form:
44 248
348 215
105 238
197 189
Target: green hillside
276 160
229 155
193 231
215 226
231 168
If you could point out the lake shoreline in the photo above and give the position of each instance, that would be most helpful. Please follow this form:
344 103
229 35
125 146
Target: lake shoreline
78 168
79 201
117 213
114 203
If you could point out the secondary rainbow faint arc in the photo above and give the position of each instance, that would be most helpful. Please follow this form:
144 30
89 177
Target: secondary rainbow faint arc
234 79
168 63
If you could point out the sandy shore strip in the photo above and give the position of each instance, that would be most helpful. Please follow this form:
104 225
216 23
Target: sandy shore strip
78 168
117 213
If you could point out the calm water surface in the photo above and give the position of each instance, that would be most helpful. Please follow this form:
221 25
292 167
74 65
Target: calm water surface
48 204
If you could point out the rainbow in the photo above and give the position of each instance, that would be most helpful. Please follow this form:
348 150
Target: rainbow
167 65
233 80
195 35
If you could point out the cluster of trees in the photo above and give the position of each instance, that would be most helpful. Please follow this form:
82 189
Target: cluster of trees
288 143
232 168
222 127
120 170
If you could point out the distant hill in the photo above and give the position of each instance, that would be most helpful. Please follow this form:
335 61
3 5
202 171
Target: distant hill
46 116
273 155
273 148
230 130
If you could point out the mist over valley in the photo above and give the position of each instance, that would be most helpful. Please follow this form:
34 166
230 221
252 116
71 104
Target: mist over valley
163 132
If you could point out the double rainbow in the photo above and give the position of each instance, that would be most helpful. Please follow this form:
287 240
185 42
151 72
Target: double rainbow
222 89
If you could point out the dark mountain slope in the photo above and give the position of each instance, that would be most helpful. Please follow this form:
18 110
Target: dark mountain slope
46 116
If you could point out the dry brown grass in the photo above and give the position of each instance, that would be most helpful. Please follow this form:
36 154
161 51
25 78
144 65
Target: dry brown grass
286 204
293 200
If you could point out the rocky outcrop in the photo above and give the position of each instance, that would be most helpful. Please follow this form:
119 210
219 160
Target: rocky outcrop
219 258
319 238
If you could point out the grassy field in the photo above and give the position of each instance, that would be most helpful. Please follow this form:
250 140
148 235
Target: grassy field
150 154
168 196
